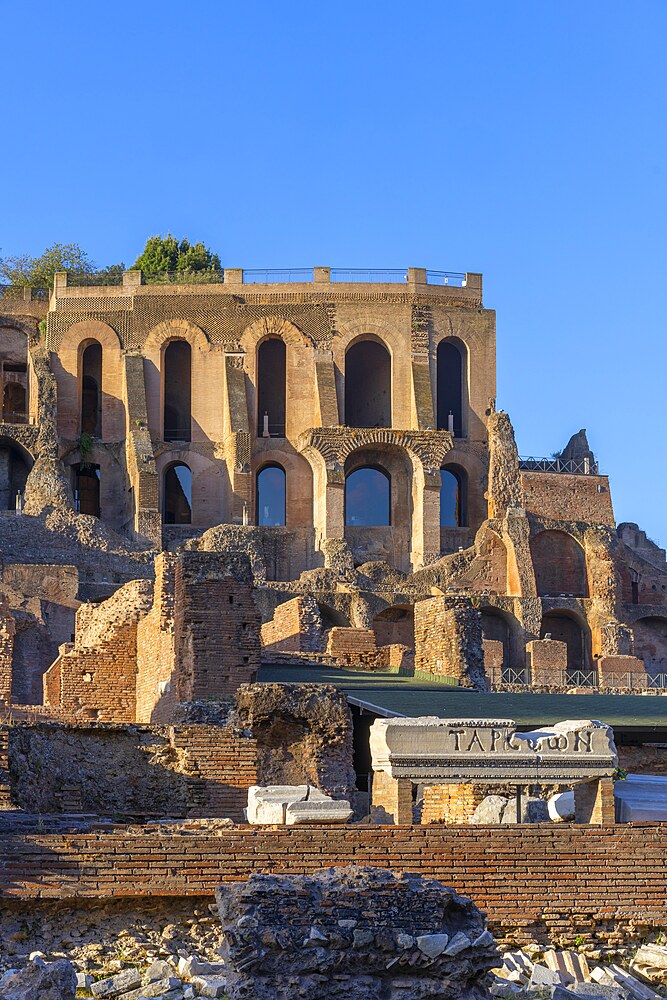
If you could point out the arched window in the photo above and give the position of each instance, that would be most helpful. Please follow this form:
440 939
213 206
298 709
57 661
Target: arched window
177 391
559 563
13 403
368 385
177 496
453 499
368 498
15 464
87 489
271 385
271 489
91 390
451 385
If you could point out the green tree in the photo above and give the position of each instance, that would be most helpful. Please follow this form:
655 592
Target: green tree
164 258
38 272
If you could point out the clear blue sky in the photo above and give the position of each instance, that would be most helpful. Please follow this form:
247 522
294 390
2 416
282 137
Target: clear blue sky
526 140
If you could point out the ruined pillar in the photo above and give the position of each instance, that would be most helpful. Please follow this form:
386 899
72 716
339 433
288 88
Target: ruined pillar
391 799
450 803
594 802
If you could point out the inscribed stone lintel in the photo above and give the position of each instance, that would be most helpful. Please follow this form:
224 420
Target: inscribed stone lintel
435 750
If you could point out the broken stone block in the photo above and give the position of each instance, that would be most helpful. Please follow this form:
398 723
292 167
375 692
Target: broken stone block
116 985
561 807
319 811
55 981
432 944
532 811
542 975
490 811
159 970
210 987
267 804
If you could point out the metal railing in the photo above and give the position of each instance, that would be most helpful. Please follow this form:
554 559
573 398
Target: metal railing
275 430
278 275
18 292
512 675
20 417
389 275
576 466
183 277
580 678
76 279
658 681
454 278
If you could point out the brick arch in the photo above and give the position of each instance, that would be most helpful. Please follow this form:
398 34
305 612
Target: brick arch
66 365
273 326
174 329
559 562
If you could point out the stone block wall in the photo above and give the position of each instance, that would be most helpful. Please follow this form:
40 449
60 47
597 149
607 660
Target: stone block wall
296 627
494 654
622 672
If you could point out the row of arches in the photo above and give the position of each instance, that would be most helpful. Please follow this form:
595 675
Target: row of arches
367 496
368 387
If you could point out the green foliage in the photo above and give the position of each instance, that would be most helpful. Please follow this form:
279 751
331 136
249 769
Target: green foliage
620 774
85 446
38 272
42 328
165 256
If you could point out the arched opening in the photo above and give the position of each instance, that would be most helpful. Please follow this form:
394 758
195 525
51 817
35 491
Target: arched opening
91 390
15 465
14 403
368 497
177 391
453 497
497 642
451 386
271 388
177 494
271 496
650 644
87 488
395 625
368 385
563 627
560 565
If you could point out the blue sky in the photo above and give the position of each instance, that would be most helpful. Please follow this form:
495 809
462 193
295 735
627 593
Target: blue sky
526 140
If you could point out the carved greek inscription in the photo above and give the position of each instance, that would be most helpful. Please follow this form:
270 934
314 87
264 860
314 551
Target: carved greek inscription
468 740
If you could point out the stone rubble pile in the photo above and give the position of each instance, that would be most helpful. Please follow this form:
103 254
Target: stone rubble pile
564 975
162 980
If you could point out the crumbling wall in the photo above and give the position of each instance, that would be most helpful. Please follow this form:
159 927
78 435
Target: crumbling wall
566 497
296 627
395 936
156 663
7 631
504 489
448 640
97 673
147 772
303 733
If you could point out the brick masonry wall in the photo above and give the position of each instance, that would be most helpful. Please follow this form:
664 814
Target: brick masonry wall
350 641
564 497
448 640
156 693
536 882
450 803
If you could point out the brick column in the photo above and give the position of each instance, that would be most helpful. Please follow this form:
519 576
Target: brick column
454 804
594 802
391 799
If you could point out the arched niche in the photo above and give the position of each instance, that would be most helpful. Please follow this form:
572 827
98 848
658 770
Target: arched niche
177 381
452 386
559 562
91 388
565 626
271 387
367 384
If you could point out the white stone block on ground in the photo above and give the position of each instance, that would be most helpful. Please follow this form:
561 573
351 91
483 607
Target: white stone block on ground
115 986
266 803
209 986
318 812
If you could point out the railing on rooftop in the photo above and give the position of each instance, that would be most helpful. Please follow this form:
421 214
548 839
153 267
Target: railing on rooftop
183 278
452 278
387 275
574 466
277 275
76 279
23 292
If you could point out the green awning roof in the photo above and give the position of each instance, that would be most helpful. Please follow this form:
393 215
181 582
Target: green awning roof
389 694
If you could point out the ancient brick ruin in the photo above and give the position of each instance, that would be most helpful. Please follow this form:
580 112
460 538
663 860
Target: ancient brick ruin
203 485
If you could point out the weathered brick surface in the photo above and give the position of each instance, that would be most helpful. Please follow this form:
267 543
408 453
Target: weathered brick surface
549 880
450 803
296 627
448 640
565 497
